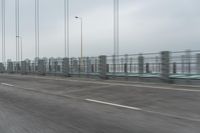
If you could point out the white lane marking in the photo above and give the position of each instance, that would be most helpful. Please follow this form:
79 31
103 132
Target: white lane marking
142 110
112 104
7 84
116 105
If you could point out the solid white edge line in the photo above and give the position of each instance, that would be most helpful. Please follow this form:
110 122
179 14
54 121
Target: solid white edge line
7 84
112 104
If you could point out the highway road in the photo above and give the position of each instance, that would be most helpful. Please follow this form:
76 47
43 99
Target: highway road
31 104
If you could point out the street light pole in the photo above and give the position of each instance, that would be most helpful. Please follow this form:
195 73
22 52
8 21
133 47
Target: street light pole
81 20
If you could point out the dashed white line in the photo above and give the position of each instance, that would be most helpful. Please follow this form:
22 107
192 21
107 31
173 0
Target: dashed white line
143 110
112 104
7 84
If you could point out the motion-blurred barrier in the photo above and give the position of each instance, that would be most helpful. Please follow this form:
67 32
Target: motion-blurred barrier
164 66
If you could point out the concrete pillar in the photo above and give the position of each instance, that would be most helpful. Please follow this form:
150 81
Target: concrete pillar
126 65
75 66
66 67
141 64
198 63
10 67
79 65
157 65
165 65
2 68
17 67
174 68
89 65
147 68
183 63
55 64
188 61
84 65
41 67
108 68
131 64
103 67
24 67
114 64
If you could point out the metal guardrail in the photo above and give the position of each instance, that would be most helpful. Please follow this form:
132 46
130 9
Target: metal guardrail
181 64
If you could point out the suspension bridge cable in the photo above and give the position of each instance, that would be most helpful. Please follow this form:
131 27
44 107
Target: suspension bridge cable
3 31
37 49
66 28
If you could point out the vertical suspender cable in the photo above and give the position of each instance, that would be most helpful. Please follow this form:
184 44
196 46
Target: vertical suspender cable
116 27
114 40
65 33
66 28
3 31
37 28
17 29
68 53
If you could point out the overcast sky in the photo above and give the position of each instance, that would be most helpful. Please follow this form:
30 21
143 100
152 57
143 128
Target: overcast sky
145 26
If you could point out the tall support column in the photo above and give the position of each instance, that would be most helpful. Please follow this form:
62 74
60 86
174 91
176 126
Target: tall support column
66 67
141 64
165 65
103 67
198 63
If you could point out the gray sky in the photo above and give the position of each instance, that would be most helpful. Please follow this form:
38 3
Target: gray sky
145 26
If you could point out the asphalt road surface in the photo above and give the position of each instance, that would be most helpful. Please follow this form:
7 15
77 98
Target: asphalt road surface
31 104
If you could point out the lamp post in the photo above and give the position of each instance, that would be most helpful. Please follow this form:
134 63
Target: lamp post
81 20
21 47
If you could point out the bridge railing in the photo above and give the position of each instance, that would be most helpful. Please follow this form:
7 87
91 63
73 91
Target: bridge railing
164 65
